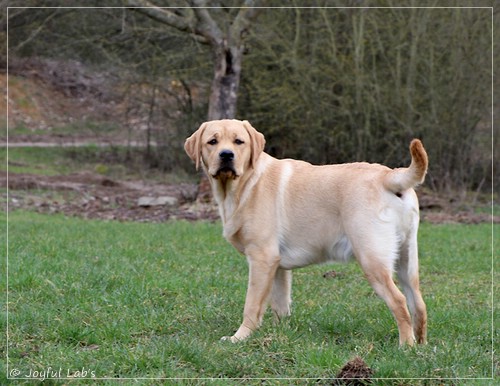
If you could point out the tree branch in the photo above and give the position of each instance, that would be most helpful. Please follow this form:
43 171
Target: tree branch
58 12
165 16
207 27
204 29
247 14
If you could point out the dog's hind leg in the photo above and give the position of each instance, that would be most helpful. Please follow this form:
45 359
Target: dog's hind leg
376 260
281 294
407 269
382 283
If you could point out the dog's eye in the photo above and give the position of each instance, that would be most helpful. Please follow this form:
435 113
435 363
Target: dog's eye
239 142
212 142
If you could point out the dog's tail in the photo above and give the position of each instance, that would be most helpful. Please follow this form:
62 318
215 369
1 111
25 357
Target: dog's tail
401 179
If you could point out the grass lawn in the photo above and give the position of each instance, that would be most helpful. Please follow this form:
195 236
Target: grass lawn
112 161
63 160
129 300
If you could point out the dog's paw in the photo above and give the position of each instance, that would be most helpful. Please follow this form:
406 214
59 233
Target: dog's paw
231 339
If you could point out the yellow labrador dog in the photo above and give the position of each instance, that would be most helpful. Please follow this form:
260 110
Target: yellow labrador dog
285 214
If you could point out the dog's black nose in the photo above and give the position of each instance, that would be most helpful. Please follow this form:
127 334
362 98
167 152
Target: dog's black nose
226 155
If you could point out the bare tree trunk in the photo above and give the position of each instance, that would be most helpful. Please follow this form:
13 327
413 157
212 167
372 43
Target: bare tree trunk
225 83
152 107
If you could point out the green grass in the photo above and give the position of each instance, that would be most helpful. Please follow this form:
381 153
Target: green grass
53 160
130 300
111 161
44 161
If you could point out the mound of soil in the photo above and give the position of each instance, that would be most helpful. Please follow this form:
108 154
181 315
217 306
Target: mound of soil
355 372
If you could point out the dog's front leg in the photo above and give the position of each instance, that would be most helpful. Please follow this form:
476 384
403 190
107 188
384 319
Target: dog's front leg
261 275
281 294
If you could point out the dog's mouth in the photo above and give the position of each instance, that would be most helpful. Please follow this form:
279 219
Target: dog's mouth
225 172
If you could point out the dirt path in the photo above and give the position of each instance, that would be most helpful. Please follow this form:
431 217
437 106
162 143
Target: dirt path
94 196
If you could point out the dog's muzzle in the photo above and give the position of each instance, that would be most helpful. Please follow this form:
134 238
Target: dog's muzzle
226 167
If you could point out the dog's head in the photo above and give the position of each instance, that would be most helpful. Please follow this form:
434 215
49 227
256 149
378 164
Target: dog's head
226 149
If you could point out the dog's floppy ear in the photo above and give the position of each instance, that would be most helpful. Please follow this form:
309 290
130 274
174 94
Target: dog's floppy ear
257 142
192 146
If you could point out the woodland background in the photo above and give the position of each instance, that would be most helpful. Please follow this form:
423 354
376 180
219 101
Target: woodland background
327 85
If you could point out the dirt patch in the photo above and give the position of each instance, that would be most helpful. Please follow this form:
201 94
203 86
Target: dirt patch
461 217
442 209
94 196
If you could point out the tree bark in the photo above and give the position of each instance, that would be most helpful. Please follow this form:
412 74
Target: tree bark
226 82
